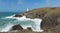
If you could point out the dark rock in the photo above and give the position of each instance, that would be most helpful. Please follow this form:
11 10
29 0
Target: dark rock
53 8
16 27
18 15
29 28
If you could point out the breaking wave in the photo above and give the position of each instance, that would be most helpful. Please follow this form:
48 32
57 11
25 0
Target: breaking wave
36 27
7 28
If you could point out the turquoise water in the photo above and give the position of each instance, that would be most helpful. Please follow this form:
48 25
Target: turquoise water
5 21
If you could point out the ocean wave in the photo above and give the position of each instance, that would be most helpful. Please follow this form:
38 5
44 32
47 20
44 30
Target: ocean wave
7 27
36 27
6 17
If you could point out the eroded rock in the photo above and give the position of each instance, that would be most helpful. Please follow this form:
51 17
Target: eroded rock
18 15
16 27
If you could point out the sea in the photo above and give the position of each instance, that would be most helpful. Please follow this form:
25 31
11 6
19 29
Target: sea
7 21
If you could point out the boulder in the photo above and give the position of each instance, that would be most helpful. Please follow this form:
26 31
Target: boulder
29 28
16 27
18 15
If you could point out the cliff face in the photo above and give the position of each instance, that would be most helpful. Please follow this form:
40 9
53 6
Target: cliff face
50 17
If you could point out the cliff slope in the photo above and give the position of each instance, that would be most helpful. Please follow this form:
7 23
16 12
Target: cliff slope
50 17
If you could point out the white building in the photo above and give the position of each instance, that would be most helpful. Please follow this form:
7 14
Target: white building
27 9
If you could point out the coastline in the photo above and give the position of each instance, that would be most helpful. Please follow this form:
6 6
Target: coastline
49 17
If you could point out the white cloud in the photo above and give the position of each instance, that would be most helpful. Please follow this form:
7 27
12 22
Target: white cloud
20 2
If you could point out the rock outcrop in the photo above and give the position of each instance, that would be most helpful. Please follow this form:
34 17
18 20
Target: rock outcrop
16 27
29 28
18 15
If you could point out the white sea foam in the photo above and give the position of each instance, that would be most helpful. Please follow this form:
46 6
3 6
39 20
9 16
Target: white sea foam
7 28
10 16
38 25
25 27
37 21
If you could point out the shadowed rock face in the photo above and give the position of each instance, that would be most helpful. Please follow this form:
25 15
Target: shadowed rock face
28 28
18 15
16 27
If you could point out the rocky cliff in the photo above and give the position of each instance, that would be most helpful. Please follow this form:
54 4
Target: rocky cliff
50 19
50 16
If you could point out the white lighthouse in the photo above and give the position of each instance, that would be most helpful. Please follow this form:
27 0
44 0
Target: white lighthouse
27 9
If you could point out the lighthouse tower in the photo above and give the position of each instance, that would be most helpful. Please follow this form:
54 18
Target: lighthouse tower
27 9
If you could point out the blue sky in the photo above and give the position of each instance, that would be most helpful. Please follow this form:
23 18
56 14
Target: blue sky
21 5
